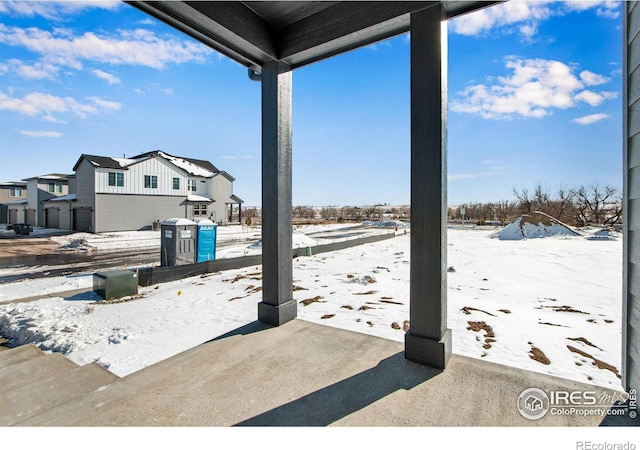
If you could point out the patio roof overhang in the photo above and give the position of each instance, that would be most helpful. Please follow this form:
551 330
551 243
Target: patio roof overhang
294 32
275 38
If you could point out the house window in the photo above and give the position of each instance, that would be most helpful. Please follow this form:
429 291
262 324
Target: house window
176 183
55 187
192 185
151 181
15 192
199 209
116 179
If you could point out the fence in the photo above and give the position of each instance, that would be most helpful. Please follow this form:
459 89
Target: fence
153 275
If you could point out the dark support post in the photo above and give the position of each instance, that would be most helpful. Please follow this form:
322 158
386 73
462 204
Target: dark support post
277 306
428 340
240 213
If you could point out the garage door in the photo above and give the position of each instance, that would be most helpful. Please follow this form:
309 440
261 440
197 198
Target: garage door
31 217
52 218
82 220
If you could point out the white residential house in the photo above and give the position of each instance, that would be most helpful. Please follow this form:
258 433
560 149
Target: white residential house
120 194
39 189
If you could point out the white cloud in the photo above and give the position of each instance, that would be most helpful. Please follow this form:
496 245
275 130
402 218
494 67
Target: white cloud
592 118
137 47
228 157
526 15
503 14
595 98
466 176
593 79
44 106
37 71
108 77
41 134
149 88
53 10
534 89
106 104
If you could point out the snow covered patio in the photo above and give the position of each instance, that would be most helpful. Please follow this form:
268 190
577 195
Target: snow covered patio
305 374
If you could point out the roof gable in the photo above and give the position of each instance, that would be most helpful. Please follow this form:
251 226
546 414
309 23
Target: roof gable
99 161
196 167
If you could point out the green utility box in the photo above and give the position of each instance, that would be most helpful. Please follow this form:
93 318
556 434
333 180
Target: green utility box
115 284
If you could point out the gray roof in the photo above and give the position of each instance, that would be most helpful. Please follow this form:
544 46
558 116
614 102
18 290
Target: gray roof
235 199
99 161
111 163
198 162
294 32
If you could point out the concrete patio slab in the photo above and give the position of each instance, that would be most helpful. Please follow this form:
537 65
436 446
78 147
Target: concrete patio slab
304 374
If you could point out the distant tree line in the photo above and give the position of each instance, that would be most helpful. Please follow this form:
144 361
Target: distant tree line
360 213
579 207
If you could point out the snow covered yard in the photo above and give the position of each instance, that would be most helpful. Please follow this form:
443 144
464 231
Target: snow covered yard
550 305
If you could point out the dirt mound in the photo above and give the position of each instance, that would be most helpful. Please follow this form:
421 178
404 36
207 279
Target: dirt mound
534 225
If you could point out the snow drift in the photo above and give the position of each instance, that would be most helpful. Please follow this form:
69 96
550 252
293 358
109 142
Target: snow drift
533 225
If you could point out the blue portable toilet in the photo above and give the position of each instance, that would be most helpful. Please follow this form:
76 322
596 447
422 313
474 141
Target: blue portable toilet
206 240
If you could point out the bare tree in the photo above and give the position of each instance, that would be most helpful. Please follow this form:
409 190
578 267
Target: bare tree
525 203
594 204
541 198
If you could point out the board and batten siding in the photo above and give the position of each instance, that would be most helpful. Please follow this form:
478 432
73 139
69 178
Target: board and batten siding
134 179
631 195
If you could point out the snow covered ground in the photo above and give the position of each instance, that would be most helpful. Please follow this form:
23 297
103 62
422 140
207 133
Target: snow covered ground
550 305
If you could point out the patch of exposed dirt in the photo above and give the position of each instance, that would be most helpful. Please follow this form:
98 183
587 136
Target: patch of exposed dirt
565 308
506 311
369 323
537 355
30 246
596 362
299 288
308 301
365 293
383 300
467 310
365 307
237 278
237 298
584 341
347 307
488 332
395 325
552 324
327 316
405 325
254 289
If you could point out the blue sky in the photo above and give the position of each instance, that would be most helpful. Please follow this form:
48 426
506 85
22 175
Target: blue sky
534 97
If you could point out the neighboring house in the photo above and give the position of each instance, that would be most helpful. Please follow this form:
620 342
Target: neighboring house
119 194
10 192
39 189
